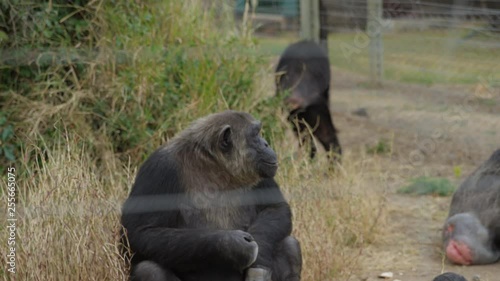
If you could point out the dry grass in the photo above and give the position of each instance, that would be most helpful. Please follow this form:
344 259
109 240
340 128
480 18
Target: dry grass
336 214
68 213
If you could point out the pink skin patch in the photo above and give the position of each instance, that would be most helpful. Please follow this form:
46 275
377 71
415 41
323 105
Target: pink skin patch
458 253
294 102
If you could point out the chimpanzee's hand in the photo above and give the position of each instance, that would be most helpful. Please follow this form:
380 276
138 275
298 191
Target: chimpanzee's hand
238 247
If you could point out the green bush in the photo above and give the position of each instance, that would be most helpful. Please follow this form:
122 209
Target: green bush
382 147
429 186
123 75
6 142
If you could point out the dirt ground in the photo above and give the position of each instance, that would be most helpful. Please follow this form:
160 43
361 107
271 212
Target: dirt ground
434 131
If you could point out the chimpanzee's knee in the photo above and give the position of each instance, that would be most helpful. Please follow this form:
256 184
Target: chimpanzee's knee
288 261
151 271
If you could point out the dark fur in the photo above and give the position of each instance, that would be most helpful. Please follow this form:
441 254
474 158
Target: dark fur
449 276
201 204
304 72
474 218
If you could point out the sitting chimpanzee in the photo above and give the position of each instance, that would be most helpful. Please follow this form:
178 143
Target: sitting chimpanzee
206 207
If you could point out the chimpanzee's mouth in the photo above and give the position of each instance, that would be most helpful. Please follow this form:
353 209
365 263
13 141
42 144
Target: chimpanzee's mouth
270 163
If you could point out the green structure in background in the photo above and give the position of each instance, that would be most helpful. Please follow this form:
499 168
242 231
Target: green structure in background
286 8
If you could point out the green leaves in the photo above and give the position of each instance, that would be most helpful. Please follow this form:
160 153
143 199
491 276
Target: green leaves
6 139
429 186
123 75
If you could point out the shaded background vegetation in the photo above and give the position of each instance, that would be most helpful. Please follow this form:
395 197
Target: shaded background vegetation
123 75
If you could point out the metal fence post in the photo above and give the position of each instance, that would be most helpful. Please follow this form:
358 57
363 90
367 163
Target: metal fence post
309 20
374 31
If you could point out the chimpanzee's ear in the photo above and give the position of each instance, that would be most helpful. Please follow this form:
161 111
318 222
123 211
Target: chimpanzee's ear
225 139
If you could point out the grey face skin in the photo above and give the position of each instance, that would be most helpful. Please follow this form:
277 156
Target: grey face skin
467 241
262 154
471 234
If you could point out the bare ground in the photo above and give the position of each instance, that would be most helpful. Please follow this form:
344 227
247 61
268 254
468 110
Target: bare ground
434 131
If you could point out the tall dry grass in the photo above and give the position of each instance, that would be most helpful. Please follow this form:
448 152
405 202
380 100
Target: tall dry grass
336 214
68 216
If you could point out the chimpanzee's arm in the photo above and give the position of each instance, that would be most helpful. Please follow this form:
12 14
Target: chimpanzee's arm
156 230
273 222
189 249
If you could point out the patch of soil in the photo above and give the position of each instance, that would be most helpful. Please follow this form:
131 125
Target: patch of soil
433 131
